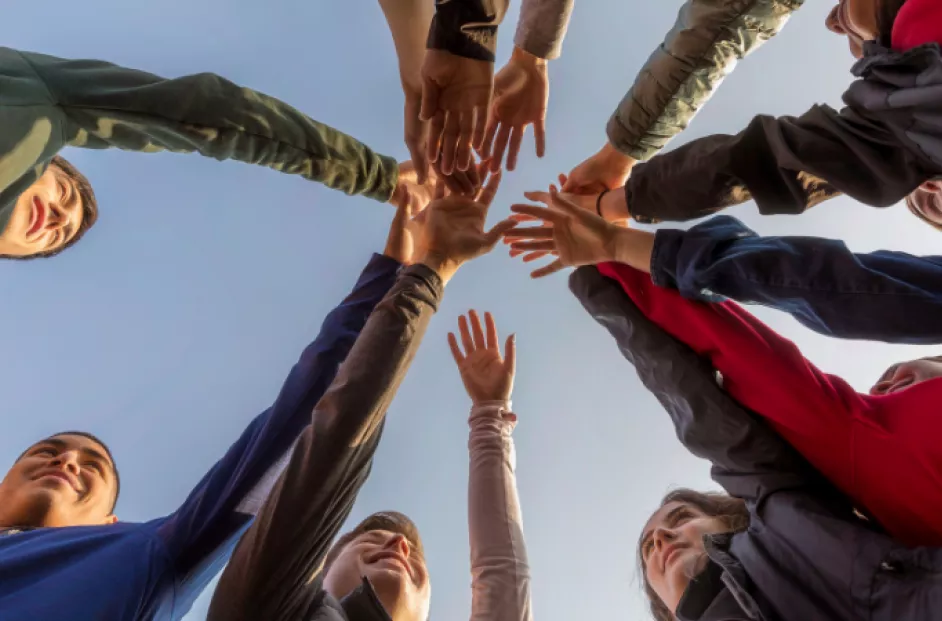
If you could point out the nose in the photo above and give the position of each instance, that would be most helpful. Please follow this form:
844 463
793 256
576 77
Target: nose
663 537
832 23
933 185
68 460
56 217
400 544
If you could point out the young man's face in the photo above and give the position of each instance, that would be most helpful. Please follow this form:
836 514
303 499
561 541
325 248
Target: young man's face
905 374
65 480
46 216
395 569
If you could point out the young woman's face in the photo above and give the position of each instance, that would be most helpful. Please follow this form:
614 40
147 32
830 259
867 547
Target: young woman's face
905 374
855 19
672 550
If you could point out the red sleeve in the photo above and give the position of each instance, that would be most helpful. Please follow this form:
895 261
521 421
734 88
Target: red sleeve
918 22
764 372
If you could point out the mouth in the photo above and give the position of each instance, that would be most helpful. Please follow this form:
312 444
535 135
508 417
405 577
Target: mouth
672 554
396 559
62 477
38 218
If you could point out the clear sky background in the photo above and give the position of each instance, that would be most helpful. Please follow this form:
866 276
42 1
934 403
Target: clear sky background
175 321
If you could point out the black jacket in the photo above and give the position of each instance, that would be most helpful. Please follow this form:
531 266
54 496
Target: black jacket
806 554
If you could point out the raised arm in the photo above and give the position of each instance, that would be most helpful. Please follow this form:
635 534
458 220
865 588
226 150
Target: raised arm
500 571
749 459
699 51
885 296
200 533
274 573
95 104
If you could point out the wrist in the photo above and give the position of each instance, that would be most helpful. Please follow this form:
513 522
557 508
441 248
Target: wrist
520 55
444 266
633 247
616 158
614 205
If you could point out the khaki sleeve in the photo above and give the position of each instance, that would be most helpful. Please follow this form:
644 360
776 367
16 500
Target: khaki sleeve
701 49
542 27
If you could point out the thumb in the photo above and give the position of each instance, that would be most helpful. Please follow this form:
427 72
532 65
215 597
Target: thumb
510 354
495 234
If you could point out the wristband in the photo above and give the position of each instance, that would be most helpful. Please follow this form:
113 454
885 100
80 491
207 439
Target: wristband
598 203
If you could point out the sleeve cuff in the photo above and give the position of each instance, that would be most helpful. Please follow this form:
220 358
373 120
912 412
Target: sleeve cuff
664 257
450 32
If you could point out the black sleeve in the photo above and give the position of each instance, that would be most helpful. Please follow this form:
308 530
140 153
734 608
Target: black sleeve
749 459
467 27
274 571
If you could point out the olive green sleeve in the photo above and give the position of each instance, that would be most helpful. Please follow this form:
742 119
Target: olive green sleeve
105 106
700 50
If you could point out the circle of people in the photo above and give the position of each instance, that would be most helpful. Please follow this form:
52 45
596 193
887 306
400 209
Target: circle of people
832 506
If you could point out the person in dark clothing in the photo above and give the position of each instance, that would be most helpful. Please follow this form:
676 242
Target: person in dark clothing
785 545
882 147
836 428
285 568
57 502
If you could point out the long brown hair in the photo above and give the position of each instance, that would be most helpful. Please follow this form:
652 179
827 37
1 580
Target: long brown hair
730 511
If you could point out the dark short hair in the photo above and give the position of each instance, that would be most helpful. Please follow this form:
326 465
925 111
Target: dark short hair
97 440
887 10
730 511
89 208
392 521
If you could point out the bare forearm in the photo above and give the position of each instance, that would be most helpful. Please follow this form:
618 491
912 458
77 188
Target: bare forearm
409 22
633 247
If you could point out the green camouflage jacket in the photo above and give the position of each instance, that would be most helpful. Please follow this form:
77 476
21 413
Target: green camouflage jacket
48 103
701 49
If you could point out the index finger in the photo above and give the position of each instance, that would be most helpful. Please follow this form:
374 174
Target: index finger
491 331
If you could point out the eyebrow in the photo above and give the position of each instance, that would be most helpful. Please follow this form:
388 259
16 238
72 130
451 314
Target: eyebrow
94 453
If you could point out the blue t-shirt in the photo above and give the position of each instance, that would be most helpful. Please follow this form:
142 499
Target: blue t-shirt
155 570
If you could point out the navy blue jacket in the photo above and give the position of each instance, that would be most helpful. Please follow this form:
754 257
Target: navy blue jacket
881 296
154 571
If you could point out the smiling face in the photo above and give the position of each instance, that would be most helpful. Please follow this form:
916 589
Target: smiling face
856 20
672 550
64 480
46 217
395 568
907 374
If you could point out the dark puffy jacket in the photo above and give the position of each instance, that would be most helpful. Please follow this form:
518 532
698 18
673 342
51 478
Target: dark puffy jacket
806 555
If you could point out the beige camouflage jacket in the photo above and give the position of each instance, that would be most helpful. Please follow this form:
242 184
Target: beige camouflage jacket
701 49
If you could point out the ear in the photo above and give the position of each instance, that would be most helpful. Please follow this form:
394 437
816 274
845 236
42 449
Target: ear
111 519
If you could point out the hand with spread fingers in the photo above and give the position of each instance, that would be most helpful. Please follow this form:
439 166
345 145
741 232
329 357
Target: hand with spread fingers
487 374
576 237
451 230
606 170
456 93
521 95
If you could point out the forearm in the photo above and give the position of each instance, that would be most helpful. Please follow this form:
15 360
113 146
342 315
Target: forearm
500 571
886 296
409 22
108 106
542 27
285 547
467 27
699 51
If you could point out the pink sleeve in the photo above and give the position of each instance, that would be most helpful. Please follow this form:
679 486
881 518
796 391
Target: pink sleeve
500 572
764 372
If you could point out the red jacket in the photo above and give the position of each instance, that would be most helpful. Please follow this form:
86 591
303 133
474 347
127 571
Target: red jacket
917 23
885 452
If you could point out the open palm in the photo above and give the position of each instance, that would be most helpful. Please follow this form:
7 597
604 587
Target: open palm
487 374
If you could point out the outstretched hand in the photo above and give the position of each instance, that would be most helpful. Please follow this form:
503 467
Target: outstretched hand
606 170
576 236
521 94
456 93
452 231
487 375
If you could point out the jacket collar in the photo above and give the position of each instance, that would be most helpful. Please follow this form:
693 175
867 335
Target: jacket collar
362 604
719 589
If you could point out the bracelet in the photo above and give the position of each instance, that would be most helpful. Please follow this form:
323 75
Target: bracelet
598 203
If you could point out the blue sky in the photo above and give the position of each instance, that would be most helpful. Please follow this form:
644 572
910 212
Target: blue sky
175 321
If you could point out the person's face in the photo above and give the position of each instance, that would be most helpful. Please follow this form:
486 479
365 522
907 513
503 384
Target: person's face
672 550
65 480
45 217
855 19
394 568
927 200
905 374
